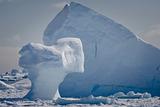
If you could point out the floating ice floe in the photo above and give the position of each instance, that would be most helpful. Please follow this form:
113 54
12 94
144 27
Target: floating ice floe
14 89
4 86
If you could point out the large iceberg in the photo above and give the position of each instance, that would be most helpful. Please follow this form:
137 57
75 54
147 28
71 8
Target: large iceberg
48 65
115 59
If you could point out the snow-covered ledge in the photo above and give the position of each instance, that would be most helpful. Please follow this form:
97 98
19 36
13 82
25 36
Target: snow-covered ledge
48 65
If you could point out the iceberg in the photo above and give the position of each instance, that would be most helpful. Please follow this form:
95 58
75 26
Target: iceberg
116 60
48 65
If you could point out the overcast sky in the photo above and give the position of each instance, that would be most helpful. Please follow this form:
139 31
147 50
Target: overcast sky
23 21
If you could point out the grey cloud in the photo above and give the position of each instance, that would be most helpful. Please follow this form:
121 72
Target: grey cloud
59 4
152 35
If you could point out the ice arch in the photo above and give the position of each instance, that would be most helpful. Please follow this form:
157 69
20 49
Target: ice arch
48 65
